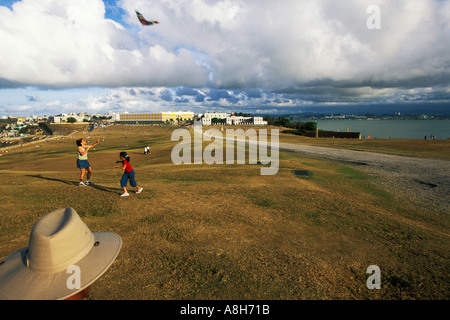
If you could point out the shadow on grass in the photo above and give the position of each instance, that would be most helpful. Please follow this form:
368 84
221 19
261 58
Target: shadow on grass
75 183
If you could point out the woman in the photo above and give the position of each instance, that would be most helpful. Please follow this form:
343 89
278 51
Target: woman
82 161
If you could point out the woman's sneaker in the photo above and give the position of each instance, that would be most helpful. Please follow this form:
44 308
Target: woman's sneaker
81 184
125 194
88 183
140 190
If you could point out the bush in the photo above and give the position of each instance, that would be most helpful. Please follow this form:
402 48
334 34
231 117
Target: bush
307 126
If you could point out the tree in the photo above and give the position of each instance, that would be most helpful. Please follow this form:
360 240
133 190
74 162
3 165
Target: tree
311 126
71 120
305 126
283 122
269 119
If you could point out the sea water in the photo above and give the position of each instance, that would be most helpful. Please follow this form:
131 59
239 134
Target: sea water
390 129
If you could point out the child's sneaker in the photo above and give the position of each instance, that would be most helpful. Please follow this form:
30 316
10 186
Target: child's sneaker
140 190
125 194
81 184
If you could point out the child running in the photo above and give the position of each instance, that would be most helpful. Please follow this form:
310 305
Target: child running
82 161
128 174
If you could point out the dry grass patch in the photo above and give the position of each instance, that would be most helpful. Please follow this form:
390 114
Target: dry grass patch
225 231
432 149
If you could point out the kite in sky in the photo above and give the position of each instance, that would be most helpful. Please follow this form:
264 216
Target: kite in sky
143 21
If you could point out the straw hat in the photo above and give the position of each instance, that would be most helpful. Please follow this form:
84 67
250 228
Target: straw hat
58 241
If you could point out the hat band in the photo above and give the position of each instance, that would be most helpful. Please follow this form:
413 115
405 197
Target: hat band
62 266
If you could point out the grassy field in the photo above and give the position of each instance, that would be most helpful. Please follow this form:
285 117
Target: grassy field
429 149
225 231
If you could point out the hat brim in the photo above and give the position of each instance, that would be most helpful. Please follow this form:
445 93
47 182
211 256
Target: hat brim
18 282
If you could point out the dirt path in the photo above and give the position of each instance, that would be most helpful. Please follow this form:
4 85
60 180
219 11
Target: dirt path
425 181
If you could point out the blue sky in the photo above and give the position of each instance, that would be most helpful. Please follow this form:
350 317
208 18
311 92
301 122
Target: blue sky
113 11
257 56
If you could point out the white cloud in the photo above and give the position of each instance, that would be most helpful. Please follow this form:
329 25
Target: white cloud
67 43
243 43
304 50
290 42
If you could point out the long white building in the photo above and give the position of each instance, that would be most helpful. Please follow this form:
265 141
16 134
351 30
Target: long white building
234 120
158 117
218 115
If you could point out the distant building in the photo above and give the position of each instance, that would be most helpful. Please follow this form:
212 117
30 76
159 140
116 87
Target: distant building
114 116
206 121
234 120
259 121
158 117
218 115
206 118
63 117
231 119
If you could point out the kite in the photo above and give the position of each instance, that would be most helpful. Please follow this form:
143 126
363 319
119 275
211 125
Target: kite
143 21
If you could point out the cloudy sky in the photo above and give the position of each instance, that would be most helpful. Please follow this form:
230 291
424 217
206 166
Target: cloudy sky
256 56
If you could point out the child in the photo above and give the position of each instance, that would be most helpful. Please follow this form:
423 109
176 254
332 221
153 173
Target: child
82 161
127 175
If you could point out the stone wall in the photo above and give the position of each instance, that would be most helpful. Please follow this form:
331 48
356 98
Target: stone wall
334 134
63 129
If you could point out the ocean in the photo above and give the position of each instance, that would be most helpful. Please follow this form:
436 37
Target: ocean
390 129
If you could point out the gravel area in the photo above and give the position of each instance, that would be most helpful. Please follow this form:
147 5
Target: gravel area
423 181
